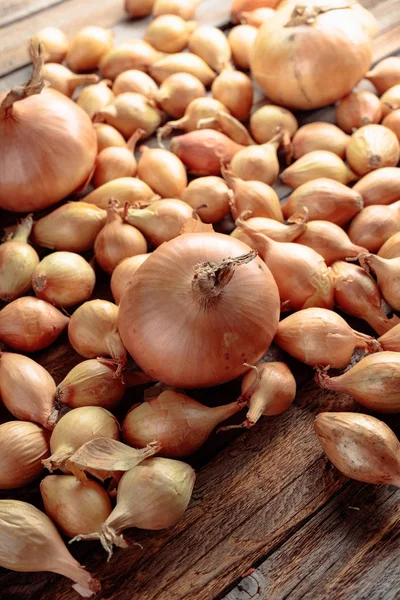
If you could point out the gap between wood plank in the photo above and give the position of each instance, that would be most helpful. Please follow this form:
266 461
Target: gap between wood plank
27 8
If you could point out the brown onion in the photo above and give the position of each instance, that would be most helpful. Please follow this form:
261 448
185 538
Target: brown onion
329 240
209 193
392 122
357 294
117 240
387 271
108 137
257 17
317 336
88 47
391 248
29 324
203 151
162 171
374 225
391 339
161 221
169 33
390 100
63 279
129 112
113 163
95 97
317 164
258 163
240 6
319 136
267 120
234 90
182 63
18 261
380 187
287 44
211 44
197 111
92 331
373 382
177 92
230 126
72 227
63 80
186 9
123 273
213 342
372 147
385 74
241 39
124 189
324 199
134 81
55 43
357 109
272 228
179 423
136 54
139 8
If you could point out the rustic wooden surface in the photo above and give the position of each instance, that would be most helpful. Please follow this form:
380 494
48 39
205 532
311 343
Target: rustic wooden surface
270 518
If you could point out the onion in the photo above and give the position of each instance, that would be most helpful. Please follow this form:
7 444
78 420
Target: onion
23 446
107 137
72 227
213 191
26 388
300 273
256 16
123 272
178 422
240 6
117 241
31 543
182 63
324 199
211 44
357 294
54 42
319 136
92 331
387 271
162 171
186 9
129 112
135 81
254 196
241 39
74 429
329 240
379 187
73 506
48 148
234 90
390 340
95 97
63 80
392 122
267 120
287 44
63 279
391 248
258 163
374 225
203 151
272 228
373 382
161 221
177 92
154 495
357 109
88 47
385 74
317 164
29 324
18 261
360 446
372 147
198 110
123 189
139 8
136 54
188 272
317 336
390 100
231 127
113 163
169 33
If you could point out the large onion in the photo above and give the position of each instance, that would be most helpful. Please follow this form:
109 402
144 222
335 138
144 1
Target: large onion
197 309
307 57
48 146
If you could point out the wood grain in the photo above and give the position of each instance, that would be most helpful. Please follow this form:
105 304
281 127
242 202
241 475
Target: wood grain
13 10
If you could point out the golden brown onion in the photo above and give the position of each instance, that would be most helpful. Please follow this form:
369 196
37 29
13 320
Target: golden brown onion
317 164
212 194
129 112
55 43
379 187
358 109
374 225
241 39
134 81
136 54
372 147
267 120
169 33
385 74
235 91
88 47
123 189
182 63
319 136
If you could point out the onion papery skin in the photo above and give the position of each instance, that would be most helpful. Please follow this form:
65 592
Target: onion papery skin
176 338
292 64
48 150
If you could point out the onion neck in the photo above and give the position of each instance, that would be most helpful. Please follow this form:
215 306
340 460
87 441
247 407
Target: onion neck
366 342
307 15
85 584
112 211
210 279
23 231
76 80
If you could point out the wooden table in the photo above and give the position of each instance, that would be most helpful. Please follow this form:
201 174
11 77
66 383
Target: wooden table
269 515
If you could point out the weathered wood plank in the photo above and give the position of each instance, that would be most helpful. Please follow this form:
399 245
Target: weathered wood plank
13 10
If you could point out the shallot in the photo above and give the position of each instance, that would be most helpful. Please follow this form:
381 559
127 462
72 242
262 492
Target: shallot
123 272
123 189
391 248
319 136
183 62
162 171
267 120
161 221
372 147
385 74
234 90
88 47
379 187
374 225
357 109
329 240
54 41
387 271
315 165
258 163
209 196
129 112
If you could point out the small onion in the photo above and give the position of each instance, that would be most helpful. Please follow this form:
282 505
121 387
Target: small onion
228 331
55 43
391 248
169 33
374 225
123 189
387 271
162 171
241 39
177 92
95 97
272 229
211 44
372 147
123 273
63 279
136 54
358 109
317 164
182 63
139 8
258 163
257 16
385 74
161 221
63 80
198 111
129 112
391 339
319 136
240 6
113 163
267 120
134 81
390 100
392 122
29 324
88 47
211 194
235 91
107 137
379 187
186 9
